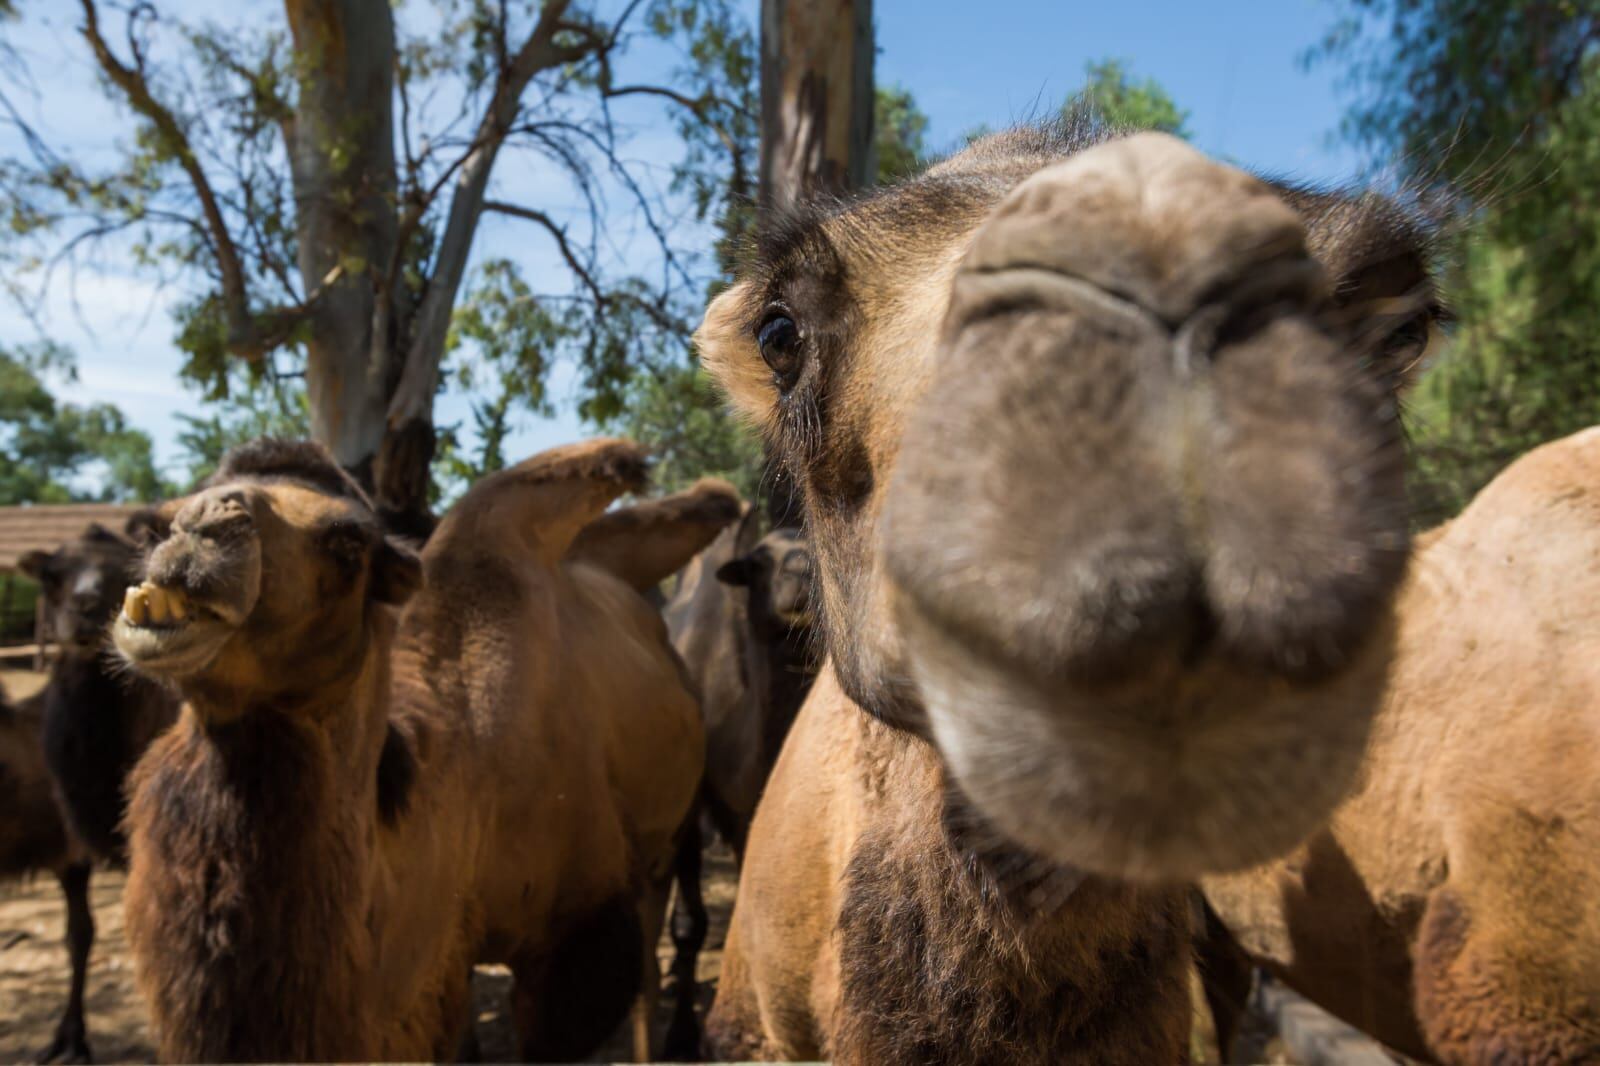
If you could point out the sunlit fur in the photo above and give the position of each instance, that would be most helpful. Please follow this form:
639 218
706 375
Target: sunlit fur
1448 908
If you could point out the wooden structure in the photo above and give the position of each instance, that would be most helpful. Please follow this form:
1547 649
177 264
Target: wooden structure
42 527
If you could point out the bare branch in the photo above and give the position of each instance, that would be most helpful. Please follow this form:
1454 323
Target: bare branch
414 394
562 242
243 338
700 107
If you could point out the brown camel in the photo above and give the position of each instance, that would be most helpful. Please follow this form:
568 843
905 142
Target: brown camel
741 619
1103 480
1450 907
92 721
642 542
357 802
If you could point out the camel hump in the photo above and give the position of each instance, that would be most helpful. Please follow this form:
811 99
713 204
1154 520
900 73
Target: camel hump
539 505
648 542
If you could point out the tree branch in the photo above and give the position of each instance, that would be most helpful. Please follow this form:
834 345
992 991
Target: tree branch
700 108
243 336
560 234
413 396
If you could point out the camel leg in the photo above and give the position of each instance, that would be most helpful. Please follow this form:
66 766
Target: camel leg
71 1043
467 1048
652 916
689 925
568 1000
1225 973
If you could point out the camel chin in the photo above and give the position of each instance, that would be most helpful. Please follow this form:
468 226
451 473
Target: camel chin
162 631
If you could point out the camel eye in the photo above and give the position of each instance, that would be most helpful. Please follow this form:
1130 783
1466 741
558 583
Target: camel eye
779 339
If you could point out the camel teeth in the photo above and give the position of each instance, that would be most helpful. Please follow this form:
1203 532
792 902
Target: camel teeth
156 597
135 607
176 607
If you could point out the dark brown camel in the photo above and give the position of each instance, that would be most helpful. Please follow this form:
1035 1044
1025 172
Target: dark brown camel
93 722
741 619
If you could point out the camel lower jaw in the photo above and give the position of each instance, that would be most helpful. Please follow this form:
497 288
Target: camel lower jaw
1180 773
173 649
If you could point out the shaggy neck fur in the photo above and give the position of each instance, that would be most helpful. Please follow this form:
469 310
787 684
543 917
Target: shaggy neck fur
250 890
956 954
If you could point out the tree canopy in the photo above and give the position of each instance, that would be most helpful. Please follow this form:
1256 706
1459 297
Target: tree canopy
316 183
1491 107
1111 94
54 452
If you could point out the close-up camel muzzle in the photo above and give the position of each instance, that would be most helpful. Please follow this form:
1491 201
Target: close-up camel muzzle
1179 501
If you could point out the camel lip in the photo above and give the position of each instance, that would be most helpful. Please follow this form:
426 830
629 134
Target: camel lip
176 648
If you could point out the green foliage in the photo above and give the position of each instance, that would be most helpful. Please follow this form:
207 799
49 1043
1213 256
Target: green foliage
240 167
502 339
1494 107
249 409
680 414
51 452
899 131
1110 94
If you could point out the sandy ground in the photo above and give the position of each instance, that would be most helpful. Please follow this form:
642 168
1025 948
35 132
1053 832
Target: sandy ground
20 684
33 974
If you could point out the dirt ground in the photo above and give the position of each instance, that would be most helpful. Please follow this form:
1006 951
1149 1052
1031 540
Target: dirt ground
33 974
20 684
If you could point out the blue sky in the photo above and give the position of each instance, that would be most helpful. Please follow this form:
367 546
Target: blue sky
1233 64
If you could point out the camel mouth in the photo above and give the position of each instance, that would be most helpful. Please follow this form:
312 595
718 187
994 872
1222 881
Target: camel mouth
162 629
1172 774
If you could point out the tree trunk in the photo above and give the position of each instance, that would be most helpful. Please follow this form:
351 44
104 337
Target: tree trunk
342 156
816 130
816 99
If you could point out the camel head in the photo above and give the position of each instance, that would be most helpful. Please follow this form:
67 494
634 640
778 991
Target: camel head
1097 444
81 583
265 579
777 576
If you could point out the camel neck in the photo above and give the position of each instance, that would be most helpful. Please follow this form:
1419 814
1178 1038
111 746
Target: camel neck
958 947
251 826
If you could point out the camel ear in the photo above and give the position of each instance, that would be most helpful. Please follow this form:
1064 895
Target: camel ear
396 572
741 571
147 526
36 565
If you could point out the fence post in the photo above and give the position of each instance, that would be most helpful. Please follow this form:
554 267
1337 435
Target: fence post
38 634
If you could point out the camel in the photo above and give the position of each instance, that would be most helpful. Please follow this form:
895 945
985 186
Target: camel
34 839
91 722
741 620
388 767
1101 469
655 537
1448 909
